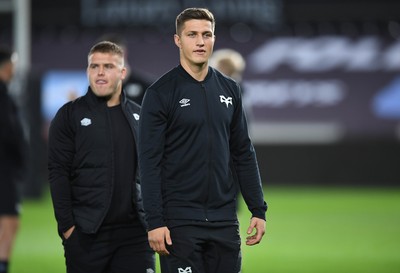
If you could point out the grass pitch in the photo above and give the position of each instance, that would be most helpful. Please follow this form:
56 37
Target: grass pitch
309 229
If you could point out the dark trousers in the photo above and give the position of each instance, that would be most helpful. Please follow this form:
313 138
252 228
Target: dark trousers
119 250
9 195
204 248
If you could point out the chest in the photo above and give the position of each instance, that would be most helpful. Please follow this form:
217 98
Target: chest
198 105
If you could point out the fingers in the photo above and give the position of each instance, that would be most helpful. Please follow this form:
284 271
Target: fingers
251 227
168 237
259 225
157 239
254 239
68 233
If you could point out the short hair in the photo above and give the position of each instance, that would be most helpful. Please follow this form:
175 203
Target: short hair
107 47
5 55
193 13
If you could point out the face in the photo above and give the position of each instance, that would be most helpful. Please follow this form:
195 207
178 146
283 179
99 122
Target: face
196 42
105 73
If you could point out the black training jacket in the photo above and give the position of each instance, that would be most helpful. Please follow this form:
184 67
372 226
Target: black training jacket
13 146
190 132
80 162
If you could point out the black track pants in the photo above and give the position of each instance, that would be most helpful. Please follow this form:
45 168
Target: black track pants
204 248
122 250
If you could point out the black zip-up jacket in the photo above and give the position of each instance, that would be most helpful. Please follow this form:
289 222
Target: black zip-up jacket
13 145
80 162
190 131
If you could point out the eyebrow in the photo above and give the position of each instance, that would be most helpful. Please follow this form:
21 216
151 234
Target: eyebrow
102 64
195 31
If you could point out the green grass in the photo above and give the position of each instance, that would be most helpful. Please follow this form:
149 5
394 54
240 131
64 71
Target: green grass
319 230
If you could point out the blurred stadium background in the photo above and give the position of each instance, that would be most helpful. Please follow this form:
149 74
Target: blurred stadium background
322 92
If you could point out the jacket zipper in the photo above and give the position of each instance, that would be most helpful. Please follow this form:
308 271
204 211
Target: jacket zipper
112 166
209 152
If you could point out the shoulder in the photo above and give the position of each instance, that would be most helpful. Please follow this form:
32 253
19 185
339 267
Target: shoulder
226 82
158 94
165 81
69 108
75 104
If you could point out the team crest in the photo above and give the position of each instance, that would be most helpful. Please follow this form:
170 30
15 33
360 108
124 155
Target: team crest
184 102
186 270
227 100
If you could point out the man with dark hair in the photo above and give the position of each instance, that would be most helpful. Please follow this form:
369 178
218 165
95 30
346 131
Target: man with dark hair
192 127
93 173
12 160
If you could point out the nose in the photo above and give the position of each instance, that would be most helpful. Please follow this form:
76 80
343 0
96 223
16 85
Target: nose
200 41
101 70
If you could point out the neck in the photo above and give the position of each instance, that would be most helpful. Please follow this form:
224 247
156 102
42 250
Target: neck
198 72
112 103
114 100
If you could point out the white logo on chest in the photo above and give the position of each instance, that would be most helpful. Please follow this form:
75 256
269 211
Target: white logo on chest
227 100
184 102
86 122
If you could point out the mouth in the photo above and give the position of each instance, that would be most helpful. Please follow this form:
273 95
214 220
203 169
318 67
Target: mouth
101 82
200 51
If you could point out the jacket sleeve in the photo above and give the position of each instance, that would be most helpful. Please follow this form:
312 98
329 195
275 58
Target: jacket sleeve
152 128
245 163
60 157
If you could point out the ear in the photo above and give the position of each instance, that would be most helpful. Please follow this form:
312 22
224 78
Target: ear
177 40
124 73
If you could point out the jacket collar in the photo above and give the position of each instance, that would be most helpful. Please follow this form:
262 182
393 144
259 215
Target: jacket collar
95 100
183 72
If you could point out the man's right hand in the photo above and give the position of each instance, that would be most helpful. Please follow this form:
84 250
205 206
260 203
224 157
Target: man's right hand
68 233
157 239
